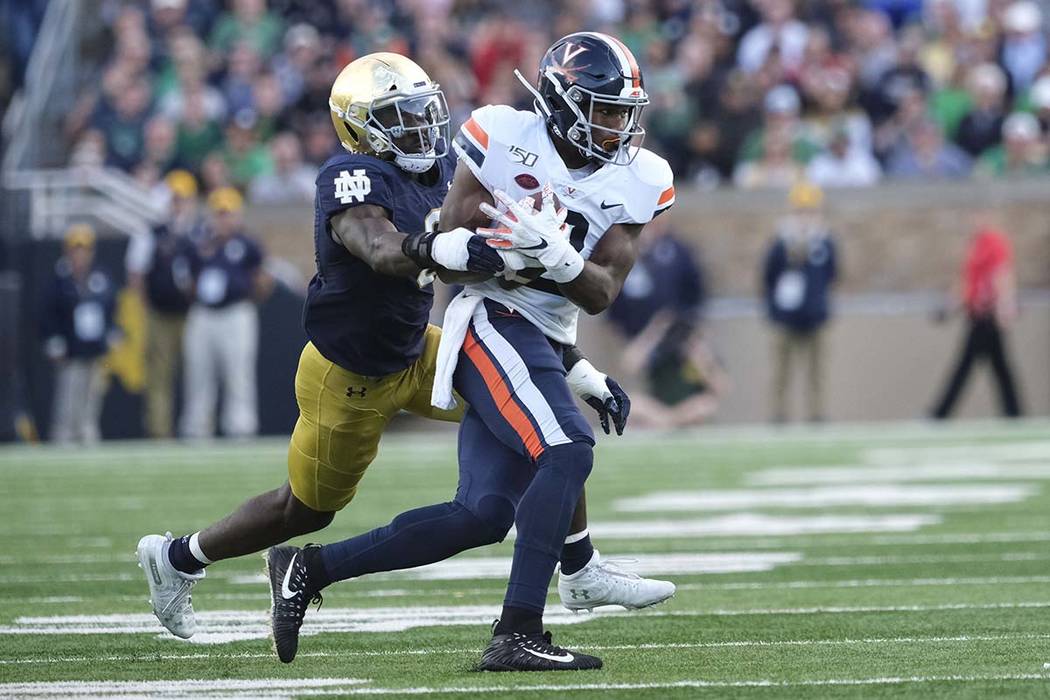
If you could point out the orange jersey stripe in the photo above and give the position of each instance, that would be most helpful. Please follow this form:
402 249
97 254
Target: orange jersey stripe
475 130
666 196
501 395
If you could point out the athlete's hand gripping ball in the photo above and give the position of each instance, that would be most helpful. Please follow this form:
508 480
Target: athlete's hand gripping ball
539 234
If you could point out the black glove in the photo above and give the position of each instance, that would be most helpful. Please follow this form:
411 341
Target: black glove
618 407
483 258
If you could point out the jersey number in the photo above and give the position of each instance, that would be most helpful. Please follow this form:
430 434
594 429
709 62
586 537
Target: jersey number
578 227
350 187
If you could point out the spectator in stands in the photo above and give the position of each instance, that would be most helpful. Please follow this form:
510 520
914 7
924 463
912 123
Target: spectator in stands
777 168
781 109
1024 46
215 174
188 83
779 37
988 295
925 154
1039 101
222 329
842 164
159 151
658 312
245 157
982 126
903 79
800 267
124 129
291 181
78 330
247 21
241 70
302 49
158 268
1023 151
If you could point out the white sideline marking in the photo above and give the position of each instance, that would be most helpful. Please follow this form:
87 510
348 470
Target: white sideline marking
742 643
758 524
968 452
865 583
180 688
854 474
872 496
221 626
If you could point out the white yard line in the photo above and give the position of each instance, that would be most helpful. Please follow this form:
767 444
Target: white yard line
743 643
866 583
180 688
838 496
864 473
222 626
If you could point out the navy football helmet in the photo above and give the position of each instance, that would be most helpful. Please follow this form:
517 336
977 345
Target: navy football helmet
579 75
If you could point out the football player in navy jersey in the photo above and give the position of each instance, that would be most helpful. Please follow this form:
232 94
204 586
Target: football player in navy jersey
371 352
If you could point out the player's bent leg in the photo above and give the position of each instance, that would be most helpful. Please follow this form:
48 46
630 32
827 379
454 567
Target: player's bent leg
414 538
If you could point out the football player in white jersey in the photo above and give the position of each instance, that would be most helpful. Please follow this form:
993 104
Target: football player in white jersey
584 140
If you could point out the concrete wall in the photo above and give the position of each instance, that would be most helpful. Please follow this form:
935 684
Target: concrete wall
901 245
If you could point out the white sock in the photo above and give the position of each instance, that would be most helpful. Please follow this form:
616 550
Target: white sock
195 549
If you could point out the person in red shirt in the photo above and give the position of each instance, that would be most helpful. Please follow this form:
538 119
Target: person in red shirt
989 297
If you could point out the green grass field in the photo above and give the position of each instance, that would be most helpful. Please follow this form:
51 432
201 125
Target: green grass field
857 562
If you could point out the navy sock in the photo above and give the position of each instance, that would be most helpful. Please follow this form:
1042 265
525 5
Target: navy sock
576 555
521 620
542 520
182 558
414 538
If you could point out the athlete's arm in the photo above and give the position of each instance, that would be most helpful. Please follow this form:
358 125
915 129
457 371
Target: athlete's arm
594 289
368 234
460 207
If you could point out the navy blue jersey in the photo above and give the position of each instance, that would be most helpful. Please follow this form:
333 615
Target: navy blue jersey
81 314
225 270
665 277
366 322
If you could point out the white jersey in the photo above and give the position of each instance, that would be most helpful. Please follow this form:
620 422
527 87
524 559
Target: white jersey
510 150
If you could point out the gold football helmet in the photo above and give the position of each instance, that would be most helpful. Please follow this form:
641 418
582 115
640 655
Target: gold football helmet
384 103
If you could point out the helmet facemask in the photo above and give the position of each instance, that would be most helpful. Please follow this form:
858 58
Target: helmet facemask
414 127
576 123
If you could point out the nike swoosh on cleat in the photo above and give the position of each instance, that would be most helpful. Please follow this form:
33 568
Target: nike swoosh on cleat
565 658
609 206
286 592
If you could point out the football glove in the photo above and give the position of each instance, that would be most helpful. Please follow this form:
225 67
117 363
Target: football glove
538 234
459 250
602 393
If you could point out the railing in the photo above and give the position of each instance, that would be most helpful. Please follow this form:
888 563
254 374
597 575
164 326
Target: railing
104 196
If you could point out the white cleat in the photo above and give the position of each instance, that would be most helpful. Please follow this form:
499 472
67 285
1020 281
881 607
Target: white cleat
169 588
602 583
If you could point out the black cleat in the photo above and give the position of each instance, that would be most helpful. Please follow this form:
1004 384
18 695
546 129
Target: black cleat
291 595
532 652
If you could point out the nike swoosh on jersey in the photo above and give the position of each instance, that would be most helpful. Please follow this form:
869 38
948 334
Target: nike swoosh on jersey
287 592
609 206
565 658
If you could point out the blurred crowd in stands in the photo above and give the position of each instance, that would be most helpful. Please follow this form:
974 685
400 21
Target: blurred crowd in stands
750 92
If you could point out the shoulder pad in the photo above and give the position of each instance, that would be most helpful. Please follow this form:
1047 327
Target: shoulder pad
352 179
655 186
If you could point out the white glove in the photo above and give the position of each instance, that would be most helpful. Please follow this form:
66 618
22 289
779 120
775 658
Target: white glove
449 249
541 235
586 381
